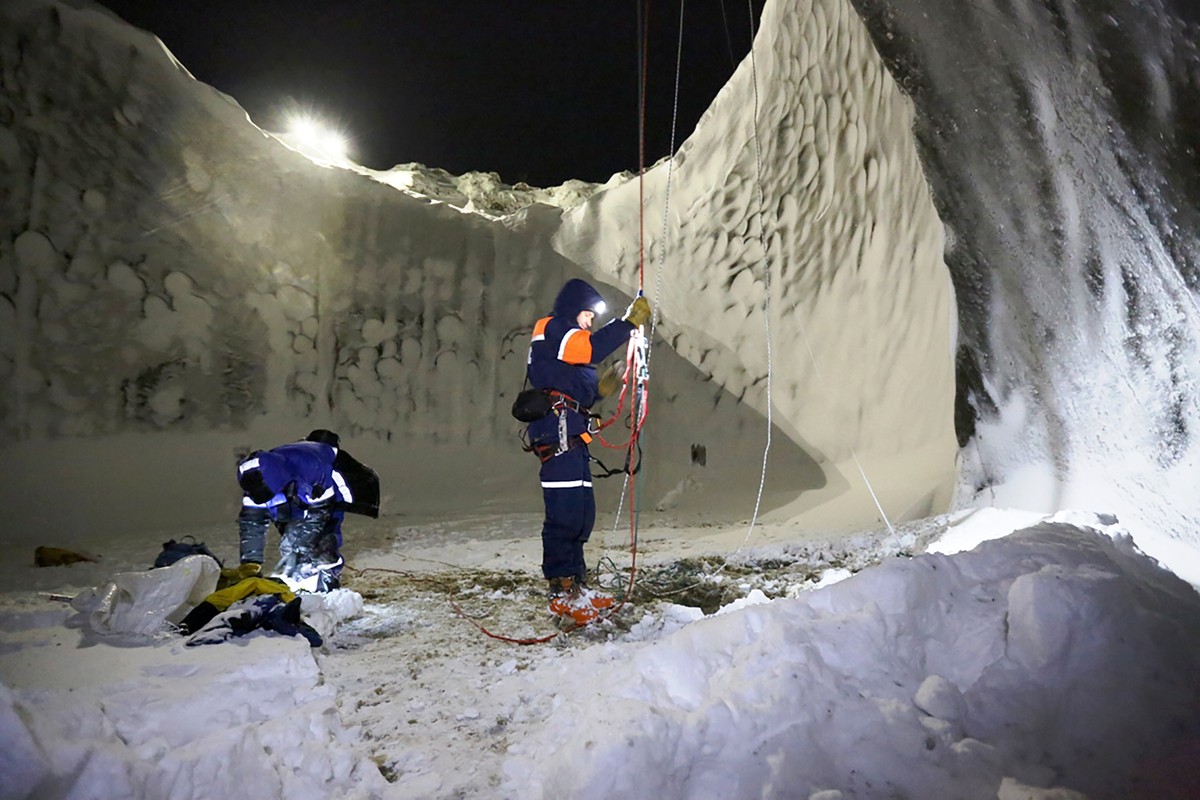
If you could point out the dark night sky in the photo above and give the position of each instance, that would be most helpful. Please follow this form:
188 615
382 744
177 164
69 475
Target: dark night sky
535 90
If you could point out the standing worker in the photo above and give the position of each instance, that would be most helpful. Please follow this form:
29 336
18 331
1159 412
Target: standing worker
305 488
561 357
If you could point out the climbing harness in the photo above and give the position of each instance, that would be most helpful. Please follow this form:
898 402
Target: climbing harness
536 404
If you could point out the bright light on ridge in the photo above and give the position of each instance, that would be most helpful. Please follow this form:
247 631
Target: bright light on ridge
316 141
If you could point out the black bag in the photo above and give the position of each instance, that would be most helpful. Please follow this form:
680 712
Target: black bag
173 551
531 405
363 483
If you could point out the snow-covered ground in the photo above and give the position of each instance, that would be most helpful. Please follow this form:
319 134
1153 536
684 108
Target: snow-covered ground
1058 656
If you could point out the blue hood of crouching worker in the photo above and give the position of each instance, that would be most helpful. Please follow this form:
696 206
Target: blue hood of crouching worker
304 488
562 352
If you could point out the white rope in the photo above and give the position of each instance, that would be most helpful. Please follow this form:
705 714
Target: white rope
767 280
766 306
762 478
762 233
762 237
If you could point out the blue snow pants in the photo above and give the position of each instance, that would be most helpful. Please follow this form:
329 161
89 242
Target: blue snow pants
570 513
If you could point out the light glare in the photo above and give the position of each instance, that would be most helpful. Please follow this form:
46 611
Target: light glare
316 141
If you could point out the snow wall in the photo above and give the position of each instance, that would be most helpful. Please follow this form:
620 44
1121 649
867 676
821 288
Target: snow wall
803 175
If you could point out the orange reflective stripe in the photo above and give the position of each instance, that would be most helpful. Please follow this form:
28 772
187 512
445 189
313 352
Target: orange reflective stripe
576 347
539 329
586 437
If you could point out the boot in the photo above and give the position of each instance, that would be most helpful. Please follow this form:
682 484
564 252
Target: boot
578 603
599 599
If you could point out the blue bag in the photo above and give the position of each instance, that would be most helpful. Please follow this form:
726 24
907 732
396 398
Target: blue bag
174 550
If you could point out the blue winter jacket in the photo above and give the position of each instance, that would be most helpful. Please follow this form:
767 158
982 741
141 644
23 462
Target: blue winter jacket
561 356
301 473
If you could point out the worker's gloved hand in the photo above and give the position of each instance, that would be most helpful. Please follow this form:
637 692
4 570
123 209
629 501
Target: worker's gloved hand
610 380
638 313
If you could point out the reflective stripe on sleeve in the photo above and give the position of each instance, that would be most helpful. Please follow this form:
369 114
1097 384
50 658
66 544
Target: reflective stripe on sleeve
343 487
565 484
247 465
248 503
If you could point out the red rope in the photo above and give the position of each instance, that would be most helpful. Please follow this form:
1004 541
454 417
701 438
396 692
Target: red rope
509 639
637 406
463 614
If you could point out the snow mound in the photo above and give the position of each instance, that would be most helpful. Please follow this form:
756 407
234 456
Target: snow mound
1056 656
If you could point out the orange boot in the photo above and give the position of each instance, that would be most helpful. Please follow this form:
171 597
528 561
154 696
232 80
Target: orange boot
577 602
599 600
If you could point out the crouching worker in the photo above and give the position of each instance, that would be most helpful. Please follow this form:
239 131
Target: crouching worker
561 356
305 488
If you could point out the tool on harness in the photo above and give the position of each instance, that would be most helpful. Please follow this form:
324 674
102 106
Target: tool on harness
547 450
531 402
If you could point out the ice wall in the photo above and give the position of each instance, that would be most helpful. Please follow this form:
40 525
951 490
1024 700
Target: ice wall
1061 141
805 167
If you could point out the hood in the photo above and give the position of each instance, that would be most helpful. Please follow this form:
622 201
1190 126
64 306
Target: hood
577 295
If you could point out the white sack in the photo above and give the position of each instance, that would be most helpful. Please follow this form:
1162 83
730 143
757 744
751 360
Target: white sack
141 602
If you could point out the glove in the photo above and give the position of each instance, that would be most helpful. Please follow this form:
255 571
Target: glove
638 313
610 380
